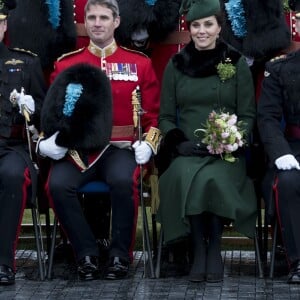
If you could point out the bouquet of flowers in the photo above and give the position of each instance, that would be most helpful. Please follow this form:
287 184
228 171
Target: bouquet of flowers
222 134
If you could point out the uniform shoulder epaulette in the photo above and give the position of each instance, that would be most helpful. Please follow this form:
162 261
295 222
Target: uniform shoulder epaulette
70 53
278 58
274 64
24 51
134 51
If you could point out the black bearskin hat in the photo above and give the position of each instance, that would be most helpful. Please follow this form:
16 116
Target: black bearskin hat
146 20
5 6
78 104
294 5
135 15
267 32
166 16
44 27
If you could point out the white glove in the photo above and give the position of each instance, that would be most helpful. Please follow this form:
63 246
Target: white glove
142 151
287 162
49 148
26 102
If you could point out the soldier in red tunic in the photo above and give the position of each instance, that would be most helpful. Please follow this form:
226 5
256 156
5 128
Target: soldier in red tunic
117 165
154 27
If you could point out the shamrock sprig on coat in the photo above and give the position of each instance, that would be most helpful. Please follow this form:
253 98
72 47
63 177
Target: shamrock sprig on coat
226 70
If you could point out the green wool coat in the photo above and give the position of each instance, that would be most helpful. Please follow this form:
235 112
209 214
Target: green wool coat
194 184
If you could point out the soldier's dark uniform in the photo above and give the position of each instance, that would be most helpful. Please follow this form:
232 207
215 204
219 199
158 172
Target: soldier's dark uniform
18 69
279 127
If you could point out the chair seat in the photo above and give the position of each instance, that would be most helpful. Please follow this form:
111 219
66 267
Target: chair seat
94 187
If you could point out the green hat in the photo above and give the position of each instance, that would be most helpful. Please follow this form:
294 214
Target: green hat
198 9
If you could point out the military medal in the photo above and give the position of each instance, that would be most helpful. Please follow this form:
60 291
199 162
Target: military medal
114 71
133 72
109 71
126 72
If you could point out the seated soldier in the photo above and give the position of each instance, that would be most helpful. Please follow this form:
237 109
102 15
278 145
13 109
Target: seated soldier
279 101
22 91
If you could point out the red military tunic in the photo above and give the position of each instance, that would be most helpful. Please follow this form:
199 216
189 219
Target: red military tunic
82 38
162 52
291 21
126 69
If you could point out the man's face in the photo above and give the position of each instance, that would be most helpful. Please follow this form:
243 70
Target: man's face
3 27
100 25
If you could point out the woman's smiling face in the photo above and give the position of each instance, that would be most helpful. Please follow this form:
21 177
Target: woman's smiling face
204 32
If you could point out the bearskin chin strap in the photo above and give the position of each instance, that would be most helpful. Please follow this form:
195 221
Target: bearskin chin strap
153 138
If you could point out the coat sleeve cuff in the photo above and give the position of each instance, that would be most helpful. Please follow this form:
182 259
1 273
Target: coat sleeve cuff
153 139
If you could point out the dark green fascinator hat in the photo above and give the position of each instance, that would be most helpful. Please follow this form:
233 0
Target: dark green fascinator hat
198 9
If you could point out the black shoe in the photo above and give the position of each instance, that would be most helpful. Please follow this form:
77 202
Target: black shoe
7 276
117 269
214 277
88 268
196 277
294 276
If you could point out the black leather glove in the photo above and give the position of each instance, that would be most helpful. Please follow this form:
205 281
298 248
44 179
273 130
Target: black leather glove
189 148
168 149
173 138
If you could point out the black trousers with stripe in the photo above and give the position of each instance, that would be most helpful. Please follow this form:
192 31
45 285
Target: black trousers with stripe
117 167
287 201
14 184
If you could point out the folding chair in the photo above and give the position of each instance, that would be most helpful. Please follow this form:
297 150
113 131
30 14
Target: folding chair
41 257
34 203
271 215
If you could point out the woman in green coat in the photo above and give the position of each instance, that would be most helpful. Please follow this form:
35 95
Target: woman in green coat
201 192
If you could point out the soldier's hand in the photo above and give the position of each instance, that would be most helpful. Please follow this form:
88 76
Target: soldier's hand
48 147
142 152
287 162
26 103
